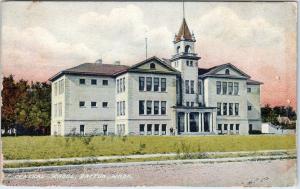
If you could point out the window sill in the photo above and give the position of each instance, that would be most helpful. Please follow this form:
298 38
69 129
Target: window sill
155 91
152 114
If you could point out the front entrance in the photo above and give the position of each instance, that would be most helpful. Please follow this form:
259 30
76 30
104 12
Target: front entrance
206 122
194 122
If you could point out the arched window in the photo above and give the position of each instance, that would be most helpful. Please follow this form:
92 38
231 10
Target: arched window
187 49
227 72
152 66
177 50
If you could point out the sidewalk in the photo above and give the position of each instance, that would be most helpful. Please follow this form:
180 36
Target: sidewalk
100 158
164 162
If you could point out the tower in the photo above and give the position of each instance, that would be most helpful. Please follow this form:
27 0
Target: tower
185 60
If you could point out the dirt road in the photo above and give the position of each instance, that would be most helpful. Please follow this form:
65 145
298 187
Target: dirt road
249 173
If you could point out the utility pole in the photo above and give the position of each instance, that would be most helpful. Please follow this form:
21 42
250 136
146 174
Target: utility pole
146 43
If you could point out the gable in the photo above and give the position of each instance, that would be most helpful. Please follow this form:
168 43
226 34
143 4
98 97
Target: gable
153 65
230 70
225 70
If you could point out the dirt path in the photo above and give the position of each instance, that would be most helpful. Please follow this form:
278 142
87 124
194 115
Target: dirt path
250 173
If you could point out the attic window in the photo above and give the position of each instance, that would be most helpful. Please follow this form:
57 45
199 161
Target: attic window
227 72
152 66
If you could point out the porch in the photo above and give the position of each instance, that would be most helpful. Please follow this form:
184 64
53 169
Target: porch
195 121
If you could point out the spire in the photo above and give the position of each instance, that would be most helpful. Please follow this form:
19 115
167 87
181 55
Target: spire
184 32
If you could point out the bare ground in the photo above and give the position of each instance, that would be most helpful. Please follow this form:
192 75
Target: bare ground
249 173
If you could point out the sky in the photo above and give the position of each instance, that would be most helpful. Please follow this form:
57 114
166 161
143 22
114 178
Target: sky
40 39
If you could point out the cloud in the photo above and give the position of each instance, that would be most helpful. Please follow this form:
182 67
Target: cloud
121 35
36 49
222 23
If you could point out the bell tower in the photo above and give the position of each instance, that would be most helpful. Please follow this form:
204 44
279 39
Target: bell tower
185 60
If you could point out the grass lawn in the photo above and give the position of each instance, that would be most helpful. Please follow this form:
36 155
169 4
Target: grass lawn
45 147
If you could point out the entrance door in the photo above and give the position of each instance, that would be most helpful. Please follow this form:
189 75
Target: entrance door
193 122
206 122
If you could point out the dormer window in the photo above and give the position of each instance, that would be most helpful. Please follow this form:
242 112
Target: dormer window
227 72
152 66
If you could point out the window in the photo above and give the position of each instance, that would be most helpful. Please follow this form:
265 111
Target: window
55 89
187 103
94 82
199 87
142 107
231 127
218 85
156 107
191 63
118 85
104 104
163 86
187 88
225 127
141 83
156 129
224 108
249 108
93 104
187 63
187 49
192 104
163 129
118 108
250 128
220 127
61 87
249 90
105 129
81 104
60 109
123 108
236 109
149 83
149 107
124 84
152 66
230 108
163 107
156 84
149 129
142 129
81 81
192 87
224 86
237 128
81 129
177 49
219 108
227 72
236 88
105 82
230 88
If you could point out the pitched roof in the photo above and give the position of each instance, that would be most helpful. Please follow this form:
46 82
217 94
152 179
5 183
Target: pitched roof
213 70
154 58
184 32
253 82
94 69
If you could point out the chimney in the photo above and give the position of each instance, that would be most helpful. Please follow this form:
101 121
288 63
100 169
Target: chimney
99 61
117 62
